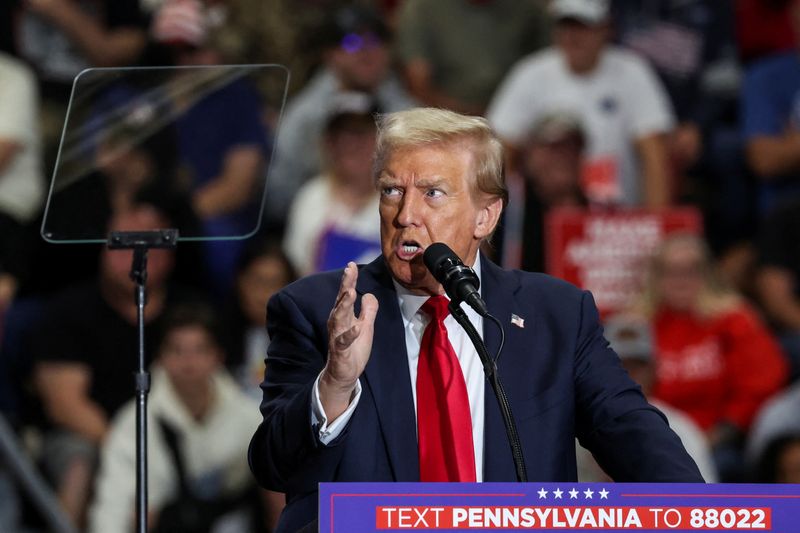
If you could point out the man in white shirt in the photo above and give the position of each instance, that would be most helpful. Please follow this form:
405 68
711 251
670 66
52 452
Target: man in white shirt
622 104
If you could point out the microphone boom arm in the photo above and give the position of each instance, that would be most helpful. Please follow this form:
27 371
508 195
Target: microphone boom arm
490 369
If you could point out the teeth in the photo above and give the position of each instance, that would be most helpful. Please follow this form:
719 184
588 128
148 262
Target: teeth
410 248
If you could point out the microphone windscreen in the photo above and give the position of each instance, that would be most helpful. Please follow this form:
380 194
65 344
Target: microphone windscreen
435 255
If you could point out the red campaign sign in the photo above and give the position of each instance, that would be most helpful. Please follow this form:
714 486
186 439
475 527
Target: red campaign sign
606 252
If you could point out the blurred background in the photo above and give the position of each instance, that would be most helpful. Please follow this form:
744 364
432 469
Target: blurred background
653 157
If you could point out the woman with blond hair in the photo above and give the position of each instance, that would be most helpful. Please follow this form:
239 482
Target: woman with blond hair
715 358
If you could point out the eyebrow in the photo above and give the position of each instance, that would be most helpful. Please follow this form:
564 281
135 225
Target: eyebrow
387 178
384 180
428 183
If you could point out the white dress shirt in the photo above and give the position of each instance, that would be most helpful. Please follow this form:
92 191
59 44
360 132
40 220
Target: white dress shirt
414 323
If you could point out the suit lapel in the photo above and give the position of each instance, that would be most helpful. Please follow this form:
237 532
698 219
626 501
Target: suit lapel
387 374
388 379
498 291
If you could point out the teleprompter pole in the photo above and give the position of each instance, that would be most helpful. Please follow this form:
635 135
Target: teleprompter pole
141 242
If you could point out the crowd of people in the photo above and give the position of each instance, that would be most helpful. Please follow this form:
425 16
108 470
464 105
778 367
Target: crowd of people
602 105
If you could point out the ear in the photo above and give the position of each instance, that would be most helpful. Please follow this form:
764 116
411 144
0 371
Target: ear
488 217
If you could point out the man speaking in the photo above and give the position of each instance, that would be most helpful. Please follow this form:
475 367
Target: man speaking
369 378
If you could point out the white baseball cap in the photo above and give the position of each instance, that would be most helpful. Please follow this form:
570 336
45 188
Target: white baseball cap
587 11
631 339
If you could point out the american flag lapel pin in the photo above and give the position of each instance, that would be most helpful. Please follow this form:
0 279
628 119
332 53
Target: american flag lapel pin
517 320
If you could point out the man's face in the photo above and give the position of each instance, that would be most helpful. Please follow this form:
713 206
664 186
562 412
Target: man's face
680 275
260 280
580 43
115 265
190 357
426 197
554 167
789 464
350 152
361 63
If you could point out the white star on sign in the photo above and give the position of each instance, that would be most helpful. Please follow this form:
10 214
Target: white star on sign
588 494
603 494
573 494
557 493
542 493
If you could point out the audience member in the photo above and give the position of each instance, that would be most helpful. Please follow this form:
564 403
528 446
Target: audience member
454 53
778 417
587 123
771 121
691 46
715 360
60 38
550 162
356 58
221 138
86 351
618 97
632 340
133 160
21 179
763 28
334 217
263 270
778 277
780 462
198 425
130 162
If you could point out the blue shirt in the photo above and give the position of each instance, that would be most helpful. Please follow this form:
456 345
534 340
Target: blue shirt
770 105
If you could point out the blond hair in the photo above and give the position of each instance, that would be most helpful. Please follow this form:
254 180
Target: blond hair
425 126
713 299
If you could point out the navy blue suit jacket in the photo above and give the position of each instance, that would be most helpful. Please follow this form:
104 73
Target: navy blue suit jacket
561 378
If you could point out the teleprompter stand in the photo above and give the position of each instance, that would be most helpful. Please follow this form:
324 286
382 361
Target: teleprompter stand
140 242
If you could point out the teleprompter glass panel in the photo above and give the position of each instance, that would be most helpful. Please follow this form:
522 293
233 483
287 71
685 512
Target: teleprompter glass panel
193 142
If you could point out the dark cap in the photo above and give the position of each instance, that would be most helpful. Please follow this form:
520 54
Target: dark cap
351 26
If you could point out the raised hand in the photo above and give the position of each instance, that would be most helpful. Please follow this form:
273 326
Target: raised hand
349 345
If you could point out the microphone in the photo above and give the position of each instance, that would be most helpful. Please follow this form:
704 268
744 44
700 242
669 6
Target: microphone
461 284
459 281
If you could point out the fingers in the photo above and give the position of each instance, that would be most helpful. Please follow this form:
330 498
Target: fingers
344 340
349 278
369 309
342 312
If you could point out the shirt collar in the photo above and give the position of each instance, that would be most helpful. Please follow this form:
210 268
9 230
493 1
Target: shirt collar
411 303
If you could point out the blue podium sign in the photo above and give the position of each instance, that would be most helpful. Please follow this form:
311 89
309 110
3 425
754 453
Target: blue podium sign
364 507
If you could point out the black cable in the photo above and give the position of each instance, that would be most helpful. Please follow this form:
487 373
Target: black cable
502 336
490 369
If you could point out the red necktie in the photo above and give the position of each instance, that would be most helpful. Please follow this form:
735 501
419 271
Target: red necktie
444 424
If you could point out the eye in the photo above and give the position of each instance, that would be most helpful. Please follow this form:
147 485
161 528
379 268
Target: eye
434 193
390 191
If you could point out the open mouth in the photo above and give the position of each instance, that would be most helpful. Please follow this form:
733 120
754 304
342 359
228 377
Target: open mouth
408 250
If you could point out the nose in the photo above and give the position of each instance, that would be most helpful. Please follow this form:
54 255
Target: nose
408 215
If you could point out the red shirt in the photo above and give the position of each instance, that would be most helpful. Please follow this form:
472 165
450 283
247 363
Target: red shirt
716 369
763 29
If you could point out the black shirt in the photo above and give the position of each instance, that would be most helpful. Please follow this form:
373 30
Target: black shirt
779 242
81 327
